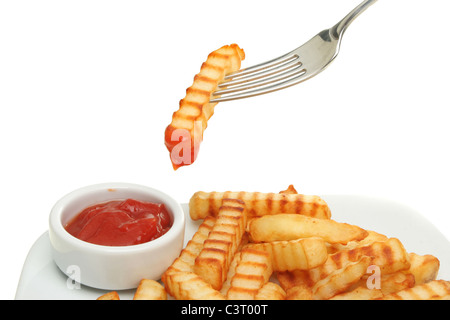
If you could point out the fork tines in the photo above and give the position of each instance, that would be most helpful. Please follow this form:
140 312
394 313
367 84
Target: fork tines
287 70
262 78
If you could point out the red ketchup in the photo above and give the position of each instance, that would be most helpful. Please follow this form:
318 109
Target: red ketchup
120 223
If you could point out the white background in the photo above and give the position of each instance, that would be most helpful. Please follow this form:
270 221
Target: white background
88 87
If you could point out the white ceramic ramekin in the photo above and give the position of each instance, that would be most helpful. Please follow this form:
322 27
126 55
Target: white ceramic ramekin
107 267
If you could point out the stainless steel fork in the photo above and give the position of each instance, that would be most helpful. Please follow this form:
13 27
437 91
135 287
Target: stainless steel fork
290 69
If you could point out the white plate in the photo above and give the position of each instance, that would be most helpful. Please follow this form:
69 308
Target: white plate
41 279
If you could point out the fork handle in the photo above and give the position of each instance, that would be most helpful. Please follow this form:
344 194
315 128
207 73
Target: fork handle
342 25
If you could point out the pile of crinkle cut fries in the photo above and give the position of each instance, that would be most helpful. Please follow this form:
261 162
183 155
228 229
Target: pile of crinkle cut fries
285 246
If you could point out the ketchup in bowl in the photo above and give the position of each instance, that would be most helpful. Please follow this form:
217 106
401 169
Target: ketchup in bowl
120 223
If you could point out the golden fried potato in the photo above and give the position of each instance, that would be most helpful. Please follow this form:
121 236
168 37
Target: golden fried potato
395 282
219 248
359 293
233 213
433 290
189 286
387 283
150 290
295 278
301 254
231 272
270 291
372 237
424 268
204 204
232 268
190 120
293 226
299 292
185 262
113 295
252 271
390 256
340 280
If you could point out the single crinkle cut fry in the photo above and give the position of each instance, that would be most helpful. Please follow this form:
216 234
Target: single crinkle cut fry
189 286
150 290
203 204
390 255
424 267
222 243
293 226
270 291
253 270
341 279
433 290
190 120
300 254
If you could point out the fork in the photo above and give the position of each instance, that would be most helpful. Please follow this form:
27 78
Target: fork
289 69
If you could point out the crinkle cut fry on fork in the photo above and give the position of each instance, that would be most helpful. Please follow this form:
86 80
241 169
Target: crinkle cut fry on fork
185 133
